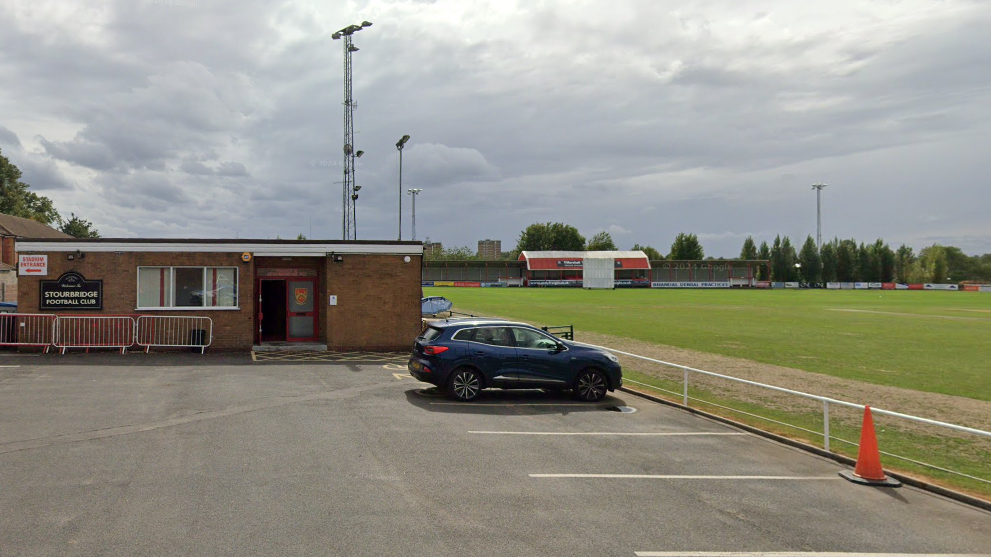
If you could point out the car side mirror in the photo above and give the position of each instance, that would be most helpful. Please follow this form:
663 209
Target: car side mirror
560 347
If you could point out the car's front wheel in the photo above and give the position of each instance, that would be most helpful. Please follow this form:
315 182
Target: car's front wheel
464 384
590 386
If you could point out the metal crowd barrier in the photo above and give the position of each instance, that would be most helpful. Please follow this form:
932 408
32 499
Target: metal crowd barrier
98 331
104 331
27 329
164 330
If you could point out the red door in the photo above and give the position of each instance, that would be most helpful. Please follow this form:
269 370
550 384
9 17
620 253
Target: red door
301 314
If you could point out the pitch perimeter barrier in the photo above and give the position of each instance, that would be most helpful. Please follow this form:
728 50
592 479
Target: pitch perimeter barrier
826 403
27 329
174 332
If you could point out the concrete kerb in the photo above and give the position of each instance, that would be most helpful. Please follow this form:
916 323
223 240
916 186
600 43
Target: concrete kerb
908 480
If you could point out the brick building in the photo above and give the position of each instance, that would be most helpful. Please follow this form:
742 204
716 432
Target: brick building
12 228
489 249
345 295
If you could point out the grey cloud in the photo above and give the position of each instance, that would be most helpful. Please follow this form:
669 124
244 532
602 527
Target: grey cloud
640 115
232 169
43 175
8 137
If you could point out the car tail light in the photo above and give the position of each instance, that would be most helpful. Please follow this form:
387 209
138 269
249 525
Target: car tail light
434 350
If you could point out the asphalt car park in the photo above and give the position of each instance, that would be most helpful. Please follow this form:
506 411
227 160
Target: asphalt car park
183 455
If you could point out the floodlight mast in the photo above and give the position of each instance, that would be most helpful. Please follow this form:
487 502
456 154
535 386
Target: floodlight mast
349 194
818 188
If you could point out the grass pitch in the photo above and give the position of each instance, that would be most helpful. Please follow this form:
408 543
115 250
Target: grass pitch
937 342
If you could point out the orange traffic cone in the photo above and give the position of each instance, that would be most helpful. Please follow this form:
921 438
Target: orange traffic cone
868 470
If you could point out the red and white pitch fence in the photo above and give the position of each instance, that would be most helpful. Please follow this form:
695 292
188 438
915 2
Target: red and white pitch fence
105 331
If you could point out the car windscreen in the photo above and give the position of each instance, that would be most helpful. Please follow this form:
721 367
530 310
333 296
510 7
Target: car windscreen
430 333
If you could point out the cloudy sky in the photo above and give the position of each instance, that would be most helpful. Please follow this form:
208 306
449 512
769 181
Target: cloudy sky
644 118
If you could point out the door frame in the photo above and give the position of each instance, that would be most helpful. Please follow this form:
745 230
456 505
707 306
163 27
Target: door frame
286 280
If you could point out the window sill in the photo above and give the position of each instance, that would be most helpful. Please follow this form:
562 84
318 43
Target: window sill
189 309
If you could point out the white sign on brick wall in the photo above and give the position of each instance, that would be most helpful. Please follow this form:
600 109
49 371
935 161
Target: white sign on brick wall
32 265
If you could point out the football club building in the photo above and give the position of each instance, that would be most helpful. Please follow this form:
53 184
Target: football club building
343 295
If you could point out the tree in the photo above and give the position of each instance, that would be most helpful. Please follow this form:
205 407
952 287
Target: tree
602 241
811 270
789 258
749 250
778 272
459 253
300 236
686 247
80 228
16 200
550 236
763 254
904 259
959 265
885 261
846 260
866 266
651 253
828 257
933 265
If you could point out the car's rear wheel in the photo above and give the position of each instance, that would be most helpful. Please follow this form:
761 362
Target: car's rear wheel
590 386
465 384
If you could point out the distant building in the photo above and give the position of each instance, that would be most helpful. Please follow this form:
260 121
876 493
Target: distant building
432 249
489 249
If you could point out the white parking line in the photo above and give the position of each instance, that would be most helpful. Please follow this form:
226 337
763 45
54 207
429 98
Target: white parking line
795 554
625 433
684 477
10 366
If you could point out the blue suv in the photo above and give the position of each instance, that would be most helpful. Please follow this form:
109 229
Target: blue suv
465 356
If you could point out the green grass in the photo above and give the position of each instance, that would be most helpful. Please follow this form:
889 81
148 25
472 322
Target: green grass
936 342
967 455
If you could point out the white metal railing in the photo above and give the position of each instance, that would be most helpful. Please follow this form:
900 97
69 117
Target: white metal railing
98 331
27 329
826 402
164 330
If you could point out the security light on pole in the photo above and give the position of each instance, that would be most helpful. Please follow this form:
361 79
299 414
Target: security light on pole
399 145
413 192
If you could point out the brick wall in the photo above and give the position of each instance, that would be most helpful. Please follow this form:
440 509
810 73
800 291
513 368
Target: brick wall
8 286
378 302
378 295
7 254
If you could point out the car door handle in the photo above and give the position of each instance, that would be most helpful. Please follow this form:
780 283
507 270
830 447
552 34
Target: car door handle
478 353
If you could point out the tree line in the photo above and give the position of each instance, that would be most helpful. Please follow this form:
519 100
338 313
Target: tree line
837 261
847 261
16 199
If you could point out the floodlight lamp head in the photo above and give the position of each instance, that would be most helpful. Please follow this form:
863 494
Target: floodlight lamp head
336 36
357 187
353 48
359 153
366 23
354 197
